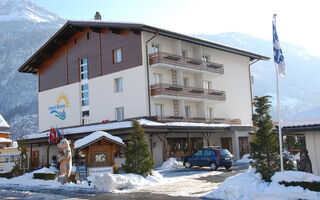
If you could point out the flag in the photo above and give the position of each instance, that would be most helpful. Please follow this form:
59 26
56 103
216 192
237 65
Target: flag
277 52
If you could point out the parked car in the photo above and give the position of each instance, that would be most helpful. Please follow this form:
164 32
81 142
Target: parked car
211 157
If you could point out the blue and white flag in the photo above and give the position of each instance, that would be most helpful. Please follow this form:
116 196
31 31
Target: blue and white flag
277 52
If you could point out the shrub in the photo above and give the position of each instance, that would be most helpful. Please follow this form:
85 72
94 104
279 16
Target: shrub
45 176
6 175
313 186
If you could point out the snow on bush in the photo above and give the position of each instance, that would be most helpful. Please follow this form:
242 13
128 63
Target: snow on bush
108 182
171 163
249 186
245 159
294 176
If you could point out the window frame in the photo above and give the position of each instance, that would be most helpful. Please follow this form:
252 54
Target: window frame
155 46
186 82
117 113
161 106
154 78
115 55
116 85
187 112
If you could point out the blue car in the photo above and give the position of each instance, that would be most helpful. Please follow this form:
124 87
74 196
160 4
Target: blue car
210 157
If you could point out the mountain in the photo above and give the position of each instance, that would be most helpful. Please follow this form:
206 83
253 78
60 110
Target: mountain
24 28
299 91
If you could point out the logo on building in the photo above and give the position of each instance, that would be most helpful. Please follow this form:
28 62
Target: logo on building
59 110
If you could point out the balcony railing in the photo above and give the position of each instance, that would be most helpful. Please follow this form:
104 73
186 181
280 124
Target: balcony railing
192 92
197 119
190 63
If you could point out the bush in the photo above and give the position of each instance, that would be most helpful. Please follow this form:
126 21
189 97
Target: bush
6 175
45 176
313 186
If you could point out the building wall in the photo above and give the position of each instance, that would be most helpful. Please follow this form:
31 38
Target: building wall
313 147
48 102
103 98
62 67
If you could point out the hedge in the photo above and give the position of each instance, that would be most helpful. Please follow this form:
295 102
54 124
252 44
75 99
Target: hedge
45 176
6 175
313 186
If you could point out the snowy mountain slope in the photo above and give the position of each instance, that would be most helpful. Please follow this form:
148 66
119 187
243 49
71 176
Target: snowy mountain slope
299 91
16 10
20 36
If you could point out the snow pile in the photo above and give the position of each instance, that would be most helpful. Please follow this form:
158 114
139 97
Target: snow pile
249 185
171 163
292 176
108 182
245 159
28 180
95 136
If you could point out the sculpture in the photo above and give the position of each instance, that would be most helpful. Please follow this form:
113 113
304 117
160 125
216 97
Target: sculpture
305 163
64 155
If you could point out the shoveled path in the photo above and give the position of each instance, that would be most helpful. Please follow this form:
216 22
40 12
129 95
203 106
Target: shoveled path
201 181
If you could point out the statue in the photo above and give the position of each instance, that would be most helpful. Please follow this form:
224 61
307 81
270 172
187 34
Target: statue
64 155
304 164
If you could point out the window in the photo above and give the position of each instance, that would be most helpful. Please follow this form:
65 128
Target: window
85 94
14 158
155 48
83 68
4 159
209 113
118 85
119 113
85 113
117 55
205 58
207 85
186 82
157 78
207 153
199 153
159 110
184 53
187 112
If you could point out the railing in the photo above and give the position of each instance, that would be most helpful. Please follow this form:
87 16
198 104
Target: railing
192 92
197 119
186 62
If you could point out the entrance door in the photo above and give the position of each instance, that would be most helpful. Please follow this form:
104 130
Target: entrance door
226 143
243 145
35 159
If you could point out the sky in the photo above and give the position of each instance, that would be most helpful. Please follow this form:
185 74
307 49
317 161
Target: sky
297 20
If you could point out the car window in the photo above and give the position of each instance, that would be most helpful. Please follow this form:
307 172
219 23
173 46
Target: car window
199 153
224 153
207 153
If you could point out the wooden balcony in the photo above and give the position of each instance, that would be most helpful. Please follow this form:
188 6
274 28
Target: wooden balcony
191 92
197 119
185 62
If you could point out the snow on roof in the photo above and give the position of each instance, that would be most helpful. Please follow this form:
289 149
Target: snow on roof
126 124
304 118
95 136
3 123
5 140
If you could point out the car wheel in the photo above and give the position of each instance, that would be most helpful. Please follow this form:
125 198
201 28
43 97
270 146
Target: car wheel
213 166
187 164
227 167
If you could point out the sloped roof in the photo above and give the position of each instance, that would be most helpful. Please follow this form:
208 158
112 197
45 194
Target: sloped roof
305 118
95 136
3 123
71 27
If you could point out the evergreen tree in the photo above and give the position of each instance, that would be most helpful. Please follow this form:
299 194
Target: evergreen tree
16 171
138 156
265 144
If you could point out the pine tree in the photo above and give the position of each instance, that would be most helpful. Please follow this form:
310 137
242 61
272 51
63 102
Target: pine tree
138 156
16 171
265 144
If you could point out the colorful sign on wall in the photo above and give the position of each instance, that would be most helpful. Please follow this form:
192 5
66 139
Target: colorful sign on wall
59 110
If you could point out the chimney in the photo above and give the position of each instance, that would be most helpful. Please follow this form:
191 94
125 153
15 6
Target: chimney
97 16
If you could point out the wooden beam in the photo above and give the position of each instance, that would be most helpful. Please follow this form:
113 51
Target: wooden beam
189 144
31 163
162 138
124 32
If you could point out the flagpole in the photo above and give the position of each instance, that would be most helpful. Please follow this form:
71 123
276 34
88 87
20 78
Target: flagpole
279 116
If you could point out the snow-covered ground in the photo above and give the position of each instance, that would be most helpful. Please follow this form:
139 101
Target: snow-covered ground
249 185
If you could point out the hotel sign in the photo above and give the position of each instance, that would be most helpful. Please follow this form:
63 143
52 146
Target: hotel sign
59 110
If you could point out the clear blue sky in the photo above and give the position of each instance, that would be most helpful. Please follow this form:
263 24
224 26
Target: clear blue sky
296 22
